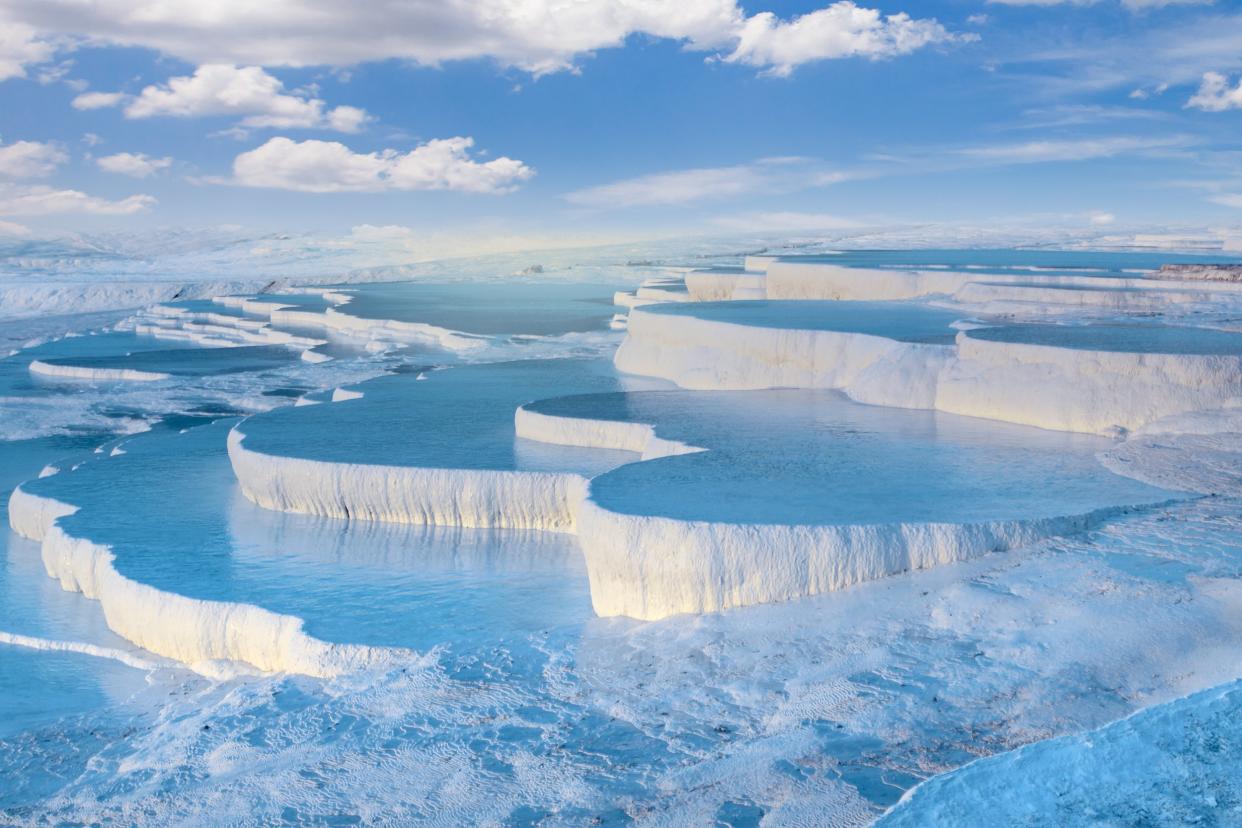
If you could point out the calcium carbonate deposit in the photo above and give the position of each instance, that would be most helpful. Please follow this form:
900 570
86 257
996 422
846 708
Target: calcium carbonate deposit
932 537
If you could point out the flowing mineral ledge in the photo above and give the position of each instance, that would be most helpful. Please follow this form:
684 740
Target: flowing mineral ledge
652 566
1072 389
214 329
642 566
708 354
1045 300
719 284
480 479
152 365
207 327
824 280
1059 388
31 515
194 632
651 292
82 648
80 372
473 498
340 322
648 565
639 438
758 264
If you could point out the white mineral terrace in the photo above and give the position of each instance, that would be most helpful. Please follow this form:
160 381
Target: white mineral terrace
90 374
777 278
641 566
195 632
1074 389
704 334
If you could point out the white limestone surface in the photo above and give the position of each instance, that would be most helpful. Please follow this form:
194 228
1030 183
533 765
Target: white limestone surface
996 298
89 374
195 632
340 322
1070 389
1060 388
473 498
651 567
705 354
638 438
824 280
639 566
758 264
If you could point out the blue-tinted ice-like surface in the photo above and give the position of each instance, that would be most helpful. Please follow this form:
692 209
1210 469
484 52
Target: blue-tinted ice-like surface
459 418
183 528
187 362
488 308
903 321
34 606
1173 764
815 457
1127 338
821 709
30 406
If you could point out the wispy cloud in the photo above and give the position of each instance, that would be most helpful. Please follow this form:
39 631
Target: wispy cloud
1075 115
784 221
1132 5
18 200
1081 149
775 176
766 176
925 160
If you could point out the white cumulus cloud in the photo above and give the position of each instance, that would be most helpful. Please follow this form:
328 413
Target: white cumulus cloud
30 159
20 47
247 92
1216 95
839 31
134 164
539 36
330 166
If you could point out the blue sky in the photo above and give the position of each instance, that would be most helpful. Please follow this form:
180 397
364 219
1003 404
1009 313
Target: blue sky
555 119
